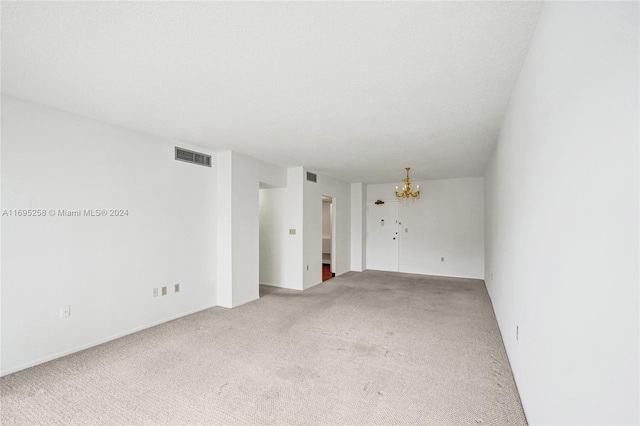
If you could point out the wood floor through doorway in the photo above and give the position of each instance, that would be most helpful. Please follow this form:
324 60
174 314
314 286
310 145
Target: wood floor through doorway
326 272
362 348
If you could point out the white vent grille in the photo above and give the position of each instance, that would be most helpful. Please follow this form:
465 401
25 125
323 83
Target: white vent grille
312 177
193 157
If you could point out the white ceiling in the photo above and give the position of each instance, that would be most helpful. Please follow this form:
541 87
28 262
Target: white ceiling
355 90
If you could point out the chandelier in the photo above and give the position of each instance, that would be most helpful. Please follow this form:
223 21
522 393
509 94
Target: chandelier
406 193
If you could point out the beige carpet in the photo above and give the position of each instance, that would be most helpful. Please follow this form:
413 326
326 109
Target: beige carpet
363 348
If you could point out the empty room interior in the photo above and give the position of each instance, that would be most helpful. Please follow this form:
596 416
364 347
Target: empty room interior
320 213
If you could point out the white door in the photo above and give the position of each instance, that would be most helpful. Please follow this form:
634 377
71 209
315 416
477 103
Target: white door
382 236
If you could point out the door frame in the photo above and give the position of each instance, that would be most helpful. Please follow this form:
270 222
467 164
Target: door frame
332 224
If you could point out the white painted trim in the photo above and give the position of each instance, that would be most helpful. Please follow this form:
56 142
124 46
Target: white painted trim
98 342
313 285
427 275
253 299
280 286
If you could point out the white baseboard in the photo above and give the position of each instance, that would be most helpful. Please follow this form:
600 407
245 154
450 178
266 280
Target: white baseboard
313 285
279 286
253 299
98 342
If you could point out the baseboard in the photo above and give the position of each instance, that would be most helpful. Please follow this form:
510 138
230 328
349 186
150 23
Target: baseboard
279 286
98 342
253 299
429 275
313 285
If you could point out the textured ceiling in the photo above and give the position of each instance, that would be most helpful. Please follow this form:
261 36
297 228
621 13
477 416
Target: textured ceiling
355 90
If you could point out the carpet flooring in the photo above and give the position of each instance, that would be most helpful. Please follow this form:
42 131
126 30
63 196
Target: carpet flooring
361 348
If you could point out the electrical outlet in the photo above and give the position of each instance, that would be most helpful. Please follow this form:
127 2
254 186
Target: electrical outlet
176 288
65 311
292 232
442 259
155 292
164 291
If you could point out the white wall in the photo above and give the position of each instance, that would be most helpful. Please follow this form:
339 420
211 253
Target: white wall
283 257
446 221
239 180
562 218
358 226
280 252
312 245
225 231
326 220
103 267
326 227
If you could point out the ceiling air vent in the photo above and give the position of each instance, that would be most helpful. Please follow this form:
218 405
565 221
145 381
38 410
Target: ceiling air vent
193 157
312 177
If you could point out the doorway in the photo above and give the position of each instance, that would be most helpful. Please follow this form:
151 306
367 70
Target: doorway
382 236
327 239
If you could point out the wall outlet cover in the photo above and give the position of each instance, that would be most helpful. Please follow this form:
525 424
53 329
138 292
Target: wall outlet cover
164 291
65 311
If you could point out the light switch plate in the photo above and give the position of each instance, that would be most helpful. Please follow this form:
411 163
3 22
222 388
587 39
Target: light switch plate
65 311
